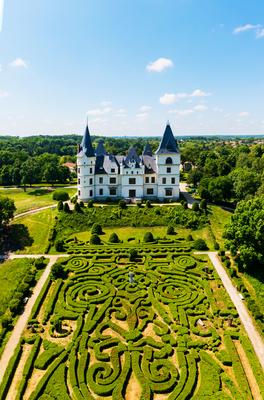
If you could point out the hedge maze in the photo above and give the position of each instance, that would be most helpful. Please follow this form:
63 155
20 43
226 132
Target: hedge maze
172 333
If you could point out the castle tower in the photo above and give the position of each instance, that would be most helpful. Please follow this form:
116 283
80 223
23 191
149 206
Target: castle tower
86 168
168 166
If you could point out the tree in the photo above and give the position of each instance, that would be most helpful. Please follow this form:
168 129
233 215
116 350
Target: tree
220 188
170 230
60 205
50 173
57 271
122 204
7 209
203 204
148 237
195 207
90 204
95 239
77 208
66 208
133 254
59 245
245 232
245 181
200 244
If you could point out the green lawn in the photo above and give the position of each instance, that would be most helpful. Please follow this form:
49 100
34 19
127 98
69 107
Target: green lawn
11 274
219 218
33 198
39 225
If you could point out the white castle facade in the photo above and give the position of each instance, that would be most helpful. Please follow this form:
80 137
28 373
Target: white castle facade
132 176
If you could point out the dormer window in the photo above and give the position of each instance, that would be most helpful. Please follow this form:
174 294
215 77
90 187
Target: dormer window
112 170
168 160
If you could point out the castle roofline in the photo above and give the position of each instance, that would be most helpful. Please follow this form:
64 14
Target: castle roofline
168 143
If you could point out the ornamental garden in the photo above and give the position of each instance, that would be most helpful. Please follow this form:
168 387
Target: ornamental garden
119 321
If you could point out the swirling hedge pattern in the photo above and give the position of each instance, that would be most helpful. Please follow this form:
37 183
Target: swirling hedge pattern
146 330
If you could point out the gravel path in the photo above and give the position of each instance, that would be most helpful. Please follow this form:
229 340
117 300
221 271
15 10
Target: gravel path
22 321
188 197
254 336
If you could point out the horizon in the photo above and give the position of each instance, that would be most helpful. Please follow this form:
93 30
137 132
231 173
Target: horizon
109 62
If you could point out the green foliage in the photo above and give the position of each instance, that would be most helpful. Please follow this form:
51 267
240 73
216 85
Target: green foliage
195 207
148 237
170 230
203 204
244 234
97 229
60 205
122 204
114 238
148 204
57 271
7 209
59 245
77 207
60 195
66 208
200 244
133 254
95 239
90 204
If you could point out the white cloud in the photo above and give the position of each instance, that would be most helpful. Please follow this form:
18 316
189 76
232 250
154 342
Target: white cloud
159 65
142 115
245 28
145 108
121 111
244 114
168 98
182 112
260 33
99 111
199 93
200 107
3 93
18 63
106 103
217 109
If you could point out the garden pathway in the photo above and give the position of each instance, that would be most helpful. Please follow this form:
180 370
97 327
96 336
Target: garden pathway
188 197
22 320
254 336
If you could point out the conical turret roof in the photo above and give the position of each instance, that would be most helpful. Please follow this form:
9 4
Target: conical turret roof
86 143
168 143
147 150
100 150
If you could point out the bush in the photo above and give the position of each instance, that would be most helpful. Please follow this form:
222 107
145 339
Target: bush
203 204
60 205
40 262
133 254
170 230
148 237
195 207
95 239
60 195
66 208
59 245
216 246
113 238
81 204
96 229
148 204
57 271
90 204
190 238
200 244
122 204
77 207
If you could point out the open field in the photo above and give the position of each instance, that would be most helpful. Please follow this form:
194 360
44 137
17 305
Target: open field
39 226
171 333
33 198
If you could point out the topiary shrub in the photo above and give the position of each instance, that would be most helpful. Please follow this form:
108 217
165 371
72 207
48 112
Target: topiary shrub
66 208
60 195
57 271
60 205
216 246
148 204
190 238
95 239
40 262
113 238
77 207
133 254
97 229
195 207
170 230
122 204
90 204
59 245
148 237
200 244
81 204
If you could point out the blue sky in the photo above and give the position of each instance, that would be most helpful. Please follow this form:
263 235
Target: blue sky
131 65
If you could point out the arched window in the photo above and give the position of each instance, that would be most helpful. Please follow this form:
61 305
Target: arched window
169 160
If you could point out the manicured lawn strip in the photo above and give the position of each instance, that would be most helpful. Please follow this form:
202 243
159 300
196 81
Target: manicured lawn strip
218 218
39 226
10 372
33 198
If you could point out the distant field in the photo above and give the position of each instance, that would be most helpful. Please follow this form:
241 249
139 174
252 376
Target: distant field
39 225
32 198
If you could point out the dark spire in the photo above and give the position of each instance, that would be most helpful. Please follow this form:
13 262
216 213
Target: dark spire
147 150
168 143
132 156
100 150
87 143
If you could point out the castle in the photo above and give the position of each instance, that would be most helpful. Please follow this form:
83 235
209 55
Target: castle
149 176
